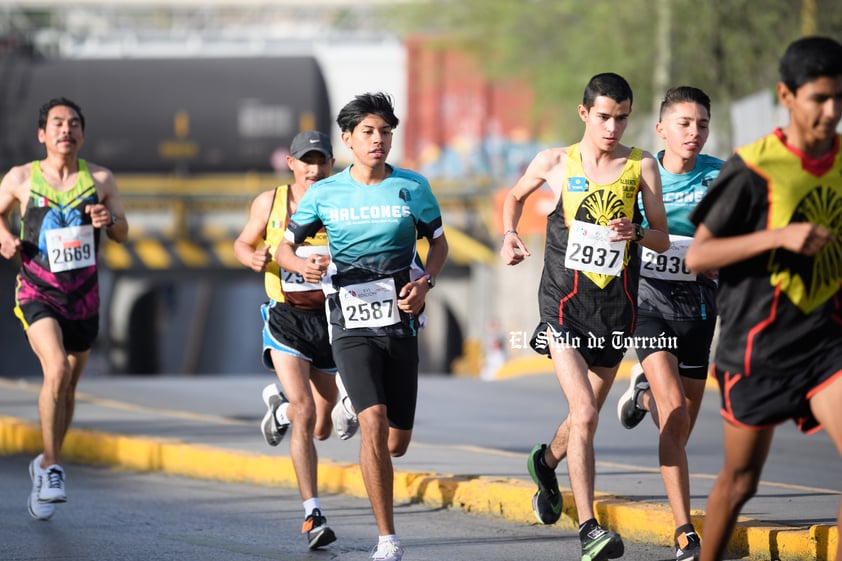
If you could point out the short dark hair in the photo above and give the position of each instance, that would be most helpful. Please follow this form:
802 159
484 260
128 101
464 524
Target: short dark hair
684 94
58 102
610 85
808 59
378 103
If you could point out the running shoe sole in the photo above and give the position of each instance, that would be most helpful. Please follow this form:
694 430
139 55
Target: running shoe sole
345 423
608 546
321 539
692 548
627 411
38 510
272 433
550 512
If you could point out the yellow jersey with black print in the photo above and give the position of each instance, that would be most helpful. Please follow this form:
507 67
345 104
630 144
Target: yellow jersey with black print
286 286
589 283
778 308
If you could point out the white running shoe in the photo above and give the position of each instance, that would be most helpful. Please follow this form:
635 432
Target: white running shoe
387 551
52 485
344 419
37 509
273 431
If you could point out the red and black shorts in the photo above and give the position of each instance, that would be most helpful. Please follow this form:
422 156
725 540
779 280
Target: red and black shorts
599 348
759 401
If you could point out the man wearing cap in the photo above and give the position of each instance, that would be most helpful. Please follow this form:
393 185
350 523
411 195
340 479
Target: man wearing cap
295 334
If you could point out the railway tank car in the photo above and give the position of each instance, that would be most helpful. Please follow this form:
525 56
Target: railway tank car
162 115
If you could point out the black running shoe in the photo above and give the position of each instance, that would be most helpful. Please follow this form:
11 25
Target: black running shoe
628 412
317 531
600 544
547 499
688 547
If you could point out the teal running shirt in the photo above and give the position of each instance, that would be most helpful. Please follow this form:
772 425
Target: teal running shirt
685 297
371 231
683 191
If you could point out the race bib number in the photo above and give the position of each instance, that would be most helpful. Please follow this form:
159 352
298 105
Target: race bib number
590 249
70 248
294 282
370 304
668 265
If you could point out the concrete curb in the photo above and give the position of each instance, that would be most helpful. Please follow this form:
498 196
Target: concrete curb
505 498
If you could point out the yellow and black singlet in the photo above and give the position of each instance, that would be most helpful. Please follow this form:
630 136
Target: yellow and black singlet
778 305
589 284
286 286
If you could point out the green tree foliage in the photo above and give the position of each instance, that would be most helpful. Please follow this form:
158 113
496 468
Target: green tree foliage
729 48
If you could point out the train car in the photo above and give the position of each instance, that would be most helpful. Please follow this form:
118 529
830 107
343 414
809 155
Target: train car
162 115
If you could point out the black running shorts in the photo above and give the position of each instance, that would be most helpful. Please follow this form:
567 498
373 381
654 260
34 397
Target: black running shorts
300 333
688 340
599 349
380 370
78 335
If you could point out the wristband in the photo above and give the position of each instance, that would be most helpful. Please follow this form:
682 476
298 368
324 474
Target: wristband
639 232
507 232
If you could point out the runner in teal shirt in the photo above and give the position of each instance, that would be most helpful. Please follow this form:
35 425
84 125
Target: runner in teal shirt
676 309
373 213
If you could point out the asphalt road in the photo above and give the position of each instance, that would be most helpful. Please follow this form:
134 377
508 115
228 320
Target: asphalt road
126 516
505 417
465 427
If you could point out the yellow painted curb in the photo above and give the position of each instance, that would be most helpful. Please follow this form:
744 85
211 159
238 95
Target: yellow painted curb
505 498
